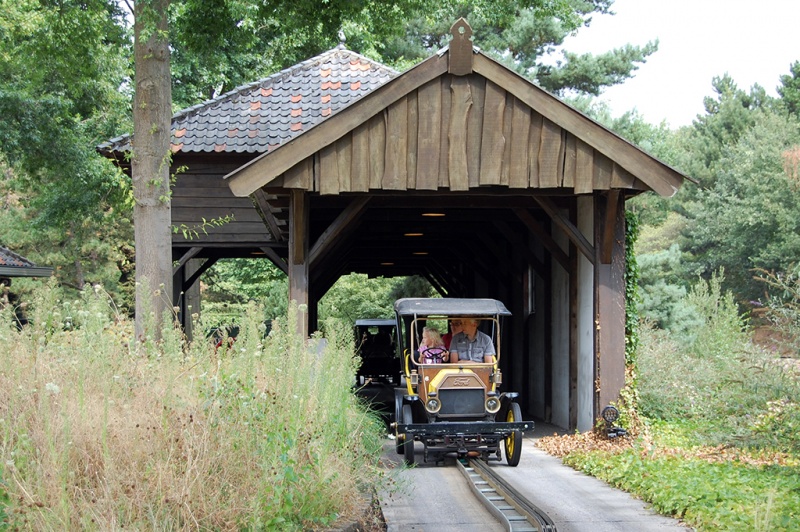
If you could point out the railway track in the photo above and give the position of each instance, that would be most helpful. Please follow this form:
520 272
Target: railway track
513 510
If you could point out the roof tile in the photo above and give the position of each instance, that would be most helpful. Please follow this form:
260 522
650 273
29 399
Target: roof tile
267 110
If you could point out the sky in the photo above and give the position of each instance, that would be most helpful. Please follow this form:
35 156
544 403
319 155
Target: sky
752 41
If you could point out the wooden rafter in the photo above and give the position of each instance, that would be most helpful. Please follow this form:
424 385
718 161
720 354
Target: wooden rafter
544 237
572 232
342 226
192 253
196 275
515 240
276 259
262 203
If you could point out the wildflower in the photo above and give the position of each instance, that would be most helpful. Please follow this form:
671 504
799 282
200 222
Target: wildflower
52 388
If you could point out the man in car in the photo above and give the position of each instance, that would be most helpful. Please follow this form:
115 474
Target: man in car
471 345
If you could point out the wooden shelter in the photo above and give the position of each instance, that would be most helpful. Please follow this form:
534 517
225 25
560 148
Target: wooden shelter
458 170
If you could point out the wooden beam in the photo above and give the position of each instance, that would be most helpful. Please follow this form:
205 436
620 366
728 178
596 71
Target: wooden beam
268 166
298 255
610 315
192 253
260 199
449 278
657 175
196 275
276 259
341 226
574 235
573 340
609 226
543 236
431 278
517 241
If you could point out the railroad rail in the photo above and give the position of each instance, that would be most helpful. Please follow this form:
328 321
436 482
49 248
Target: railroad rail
513 510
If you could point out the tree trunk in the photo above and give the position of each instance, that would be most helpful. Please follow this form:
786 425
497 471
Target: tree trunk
152 115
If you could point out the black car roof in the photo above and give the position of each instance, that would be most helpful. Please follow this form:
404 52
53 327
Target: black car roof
375 323
450 307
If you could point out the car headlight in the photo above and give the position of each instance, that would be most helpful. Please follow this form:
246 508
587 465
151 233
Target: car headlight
433 405
492 405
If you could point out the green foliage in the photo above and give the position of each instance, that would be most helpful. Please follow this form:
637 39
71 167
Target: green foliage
589 73
233 283
663 294
789 90
632 273
750 216
726 495
729 115
64 203
218 45
355 296
193 232
716 377
782 305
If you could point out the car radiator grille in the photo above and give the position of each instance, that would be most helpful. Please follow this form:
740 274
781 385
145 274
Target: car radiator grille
462 402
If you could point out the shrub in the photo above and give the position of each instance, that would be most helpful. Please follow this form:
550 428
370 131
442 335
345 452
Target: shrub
717 377
783 305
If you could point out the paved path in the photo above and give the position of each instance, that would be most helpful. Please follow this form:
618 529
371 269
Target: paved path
575 501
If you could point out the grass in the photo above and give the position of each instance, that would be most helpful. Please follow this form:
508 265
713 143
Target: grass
97 436
709 488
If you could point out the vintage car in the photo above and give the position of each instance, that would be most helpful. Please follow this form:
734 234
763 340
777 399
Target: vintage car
381 368
454 407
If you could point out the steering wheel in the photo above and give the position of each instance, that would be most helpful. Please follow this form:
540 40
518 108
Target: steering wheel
437 354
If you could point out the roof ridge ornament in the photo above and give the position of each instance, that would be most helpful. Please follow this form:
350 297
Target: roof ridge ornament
460 49
342 40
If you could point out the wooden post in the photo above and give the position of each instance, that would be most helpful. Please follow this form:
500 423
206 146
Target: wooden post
298 256
610 303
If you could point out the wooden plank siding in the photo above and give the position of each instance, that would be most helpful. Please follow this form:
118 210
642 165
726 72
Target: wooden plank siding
458 133
200 192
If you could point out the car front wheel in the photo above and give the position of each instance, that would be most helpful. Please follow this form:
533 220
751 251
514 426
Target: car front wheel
513 442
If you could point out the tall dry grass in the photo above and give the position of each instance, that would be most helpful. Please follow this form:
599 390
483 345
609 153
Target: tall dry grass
96 435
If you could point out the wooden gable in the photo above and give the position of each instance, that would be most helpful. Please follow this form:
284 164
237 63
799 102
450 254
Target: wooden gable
430 130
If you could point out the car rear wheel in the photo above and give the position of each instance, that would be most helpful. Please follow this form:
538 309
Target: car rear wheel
513 442
408 440
398 418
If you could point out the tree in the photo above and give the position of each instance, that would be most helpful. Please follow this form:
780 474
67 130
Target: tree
522 34
150 169
66 205
789 89
728 115
749 217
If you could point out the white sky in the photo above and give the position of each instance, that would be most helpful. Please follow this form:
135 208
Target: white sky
753 41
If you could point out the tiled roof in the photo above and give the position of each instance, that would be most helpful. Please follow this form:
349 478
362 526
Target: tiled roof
13 265
9 258
260 116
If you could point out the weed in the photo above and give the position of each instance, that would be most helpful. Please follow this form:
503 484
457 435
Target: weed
95 436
